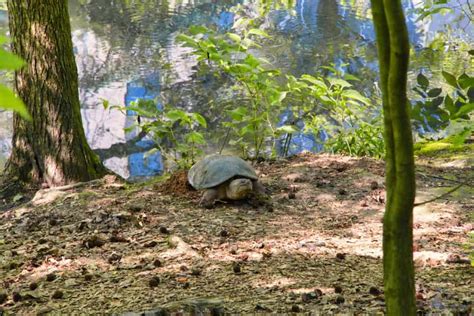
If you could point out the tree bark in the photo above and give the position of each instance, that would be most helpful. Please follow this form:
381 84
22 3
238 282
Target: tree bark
393 50
52 148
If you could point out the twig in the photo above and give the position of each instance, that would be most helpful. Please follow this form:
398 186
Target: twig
226 139
443 178
440 196
73 186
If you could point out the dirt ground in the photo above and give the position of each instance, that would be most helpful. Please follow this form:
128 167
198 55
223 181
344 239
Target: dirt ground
107 247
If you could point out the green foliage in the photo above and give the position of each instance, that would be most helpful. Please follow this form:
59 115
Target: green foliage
174 131
364 140
331 103
8 100
429 8
442 112
315 102
260 92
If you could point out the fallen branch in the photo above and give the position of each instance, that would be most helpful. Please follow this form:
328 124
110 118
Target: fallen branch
440 196
443 178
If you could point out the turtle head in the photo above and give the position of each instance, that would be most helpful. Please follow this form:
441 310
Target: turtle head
239 189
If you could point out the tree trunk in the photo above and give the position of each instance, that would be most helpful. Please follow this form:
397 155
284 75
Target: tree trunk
52 148
393 50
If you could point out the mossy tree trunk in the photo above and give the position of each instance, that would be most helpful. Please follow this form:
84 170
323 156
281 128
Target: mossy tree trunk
393 50
52 148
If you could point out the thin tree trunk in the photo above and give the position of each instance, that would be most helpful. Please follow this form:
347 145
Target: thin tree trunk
52 148
393 49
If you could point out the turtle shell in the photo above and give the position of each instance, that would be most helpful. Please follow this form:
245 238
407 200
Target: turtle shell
217 169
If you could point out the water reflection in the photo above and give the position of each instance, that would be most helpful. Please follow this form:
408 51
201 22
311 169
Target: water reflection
127 51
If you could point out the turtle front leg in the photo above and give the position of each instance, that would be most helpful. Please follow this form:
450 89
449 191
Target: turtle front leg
209 197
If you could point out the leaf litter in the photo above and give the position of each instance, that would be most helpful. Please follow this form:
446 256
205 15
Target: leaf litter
116 248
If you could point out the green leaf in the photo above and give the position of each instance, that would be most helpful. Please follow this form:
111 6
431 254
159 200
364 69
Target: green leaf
9 61
175 115
450 79
191 42
449 105
351 77
422 81
105 103
465 81
317 82
434 92
465 109
258 32
9 101
200 119
238 113
355 95
437 102
198 29
288 129
249 129
195 137
340 82
235 37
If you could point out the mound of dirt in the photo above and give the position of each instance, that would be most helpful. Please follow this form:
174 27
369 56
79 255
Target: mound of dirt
177 185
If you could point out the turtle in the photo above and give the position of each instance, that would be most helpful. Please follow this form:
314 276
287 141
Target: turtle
224 177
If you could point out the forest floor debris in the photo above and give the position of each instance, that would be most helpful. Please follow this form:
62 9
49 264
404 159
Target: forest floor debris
115 248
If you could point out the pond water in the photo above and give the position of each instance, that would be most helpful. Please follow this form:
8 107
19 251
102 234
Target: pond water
125 52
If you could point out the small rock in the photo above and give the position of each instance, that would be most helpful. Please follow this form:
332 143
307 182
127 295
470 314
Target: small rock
135 208
58 294
93 241
236 268
183 268
69 283
157 263
117 238
306 297
53 222
341 168
50 277
164 230
196 271
341 256
33 286
154 281
150 244
114 257
12 265
340 299
3 298
295 309
374 291
453 258
337 289
260 307
16 297
88 277
374 185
